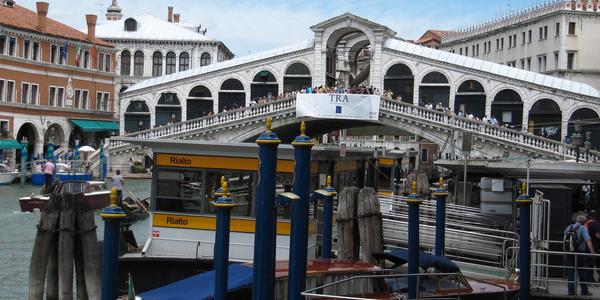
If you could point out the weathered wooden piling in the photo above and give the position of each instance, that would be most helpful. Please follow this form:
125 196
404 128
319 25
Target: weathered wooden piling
346 218
42 248
369 224
90 250
52 272
66 244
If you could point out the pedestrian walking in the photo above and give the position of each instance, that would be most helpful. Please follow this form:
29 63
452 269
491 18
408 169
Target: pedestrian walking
577 240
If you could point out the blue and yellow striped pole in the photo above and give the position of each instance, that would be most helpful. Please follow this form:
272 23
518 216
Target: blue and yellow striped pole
265 231
299 231
223 206
440 218
413 200
112 216
524 203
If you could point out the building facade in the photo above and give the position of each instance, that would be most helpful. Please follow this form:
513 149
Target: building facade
557 38
55 81
149 47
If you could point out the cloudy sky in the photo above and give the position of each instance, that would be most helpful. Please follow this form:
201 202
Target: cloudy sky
248 26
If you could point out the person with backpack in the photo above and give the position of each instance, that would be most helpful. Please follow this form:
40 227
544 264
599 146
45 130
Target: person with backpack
577 240
593 227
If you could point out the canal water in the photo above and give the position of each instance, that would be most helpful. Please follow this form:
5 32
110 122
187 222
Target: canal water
18 230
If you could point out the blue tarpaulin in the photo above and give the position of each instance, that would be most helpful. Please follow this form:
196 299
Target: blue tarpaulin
201 286
426 260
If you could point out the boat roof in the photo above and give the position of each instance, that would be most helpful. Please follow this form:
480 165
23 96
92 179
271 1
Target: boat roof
211 148
426 260
240 276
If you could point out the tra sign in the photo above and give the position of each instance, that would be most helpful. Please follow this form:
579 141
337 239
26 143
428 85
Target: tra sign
338 106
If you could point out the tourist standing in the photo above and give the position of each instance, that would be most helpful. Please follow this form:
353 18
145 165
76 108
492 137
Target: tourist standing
48 172
582 244
118 184
593 227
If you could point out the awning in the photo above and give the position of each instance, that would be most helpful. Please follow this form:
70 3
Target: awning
9 144
93 125
201 286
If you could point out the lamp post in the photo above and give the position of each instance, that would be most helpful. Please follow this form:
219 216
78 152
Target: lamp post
577 138
587 145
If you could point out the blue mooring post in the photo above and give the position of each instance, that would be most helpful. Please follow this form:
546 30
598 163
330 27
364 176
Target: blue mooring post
24 145
524 203
112 216
299 233
265 232
326 195
413 200
103 164
50 157
223 206
440 218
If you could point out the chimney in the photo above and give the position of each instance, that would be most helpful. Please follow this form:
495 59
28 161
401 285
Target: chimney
42 11
91 23
176 18
170 14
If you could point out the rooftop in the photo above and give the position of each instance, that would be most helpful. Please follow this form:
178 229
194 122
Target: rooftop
493 68
222 65
149 28
19 17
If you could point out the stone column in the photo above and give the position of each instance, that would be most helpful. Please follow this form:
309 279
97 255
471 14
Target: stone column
319 60
376 62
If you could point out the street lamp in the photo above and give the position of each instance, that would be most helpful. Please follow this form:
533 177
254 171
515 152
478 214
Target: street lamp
588 145
577 139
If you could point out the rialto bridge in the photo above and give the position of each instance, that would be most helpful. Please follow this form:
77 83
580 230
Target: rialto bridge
349 49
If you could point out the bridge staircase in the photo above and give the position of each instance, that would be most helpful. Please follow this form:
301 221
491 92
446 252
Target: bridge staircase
236 126
362 76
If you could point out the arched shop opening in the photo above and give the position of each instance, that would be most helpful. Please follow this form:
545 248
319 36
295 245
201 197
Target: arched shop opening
297 76
137 116
337 57
434 89
168 109
589 121
545 119
507 108
30 132
470 99
264 84
55 134
231 95
199 102
400 80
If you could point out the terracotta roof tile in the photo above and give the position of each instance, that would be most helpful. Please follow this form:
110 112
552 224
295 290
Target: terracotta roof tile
23 18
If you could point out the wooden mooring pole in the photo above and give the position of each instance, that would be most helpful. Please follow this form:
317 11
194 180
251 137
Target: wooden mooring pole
66 237
369 223
346 218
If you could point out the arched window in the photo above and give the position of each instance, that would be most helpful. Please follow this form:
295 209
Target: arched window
137 116
157 59
435 77
138 63
399 80
205 59
232 84
297 76
130 25
231 95
125 62
171 63
199 102
184 61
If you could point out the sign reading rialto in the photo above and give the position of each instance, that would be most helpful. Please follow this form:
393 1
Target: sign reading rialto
338 106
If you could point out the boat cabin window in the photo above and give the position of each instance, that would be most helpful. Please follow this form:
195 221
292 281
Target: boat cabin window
74 187
191 191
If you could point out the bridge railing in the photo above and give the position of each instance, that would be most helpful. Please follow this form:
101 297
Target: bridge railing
486 129
217 119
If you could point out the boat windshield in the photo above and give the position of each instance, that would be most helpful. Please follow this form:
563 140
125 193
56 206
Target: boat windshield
191 191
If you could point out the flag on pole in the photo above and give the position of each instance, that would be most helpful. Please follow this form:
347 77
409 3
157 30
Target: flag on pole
130 289
94 57
78 54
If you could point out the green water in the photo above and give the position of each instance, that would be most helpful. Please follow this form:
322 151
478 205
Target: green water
18 230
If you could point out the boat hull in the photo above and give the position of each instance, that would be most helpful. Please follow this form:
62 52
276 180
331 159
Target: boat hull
95 201
8 178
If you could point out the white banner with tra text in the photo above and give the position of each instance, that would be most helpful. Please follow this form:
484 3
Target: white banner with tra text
338 106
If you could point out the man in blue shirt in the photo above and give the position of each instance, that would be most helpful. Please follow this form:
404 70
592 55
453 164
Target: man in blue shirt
584 246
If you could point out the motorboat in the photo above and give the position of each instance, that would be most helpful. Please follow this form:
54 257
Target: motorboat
7 175
96 194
